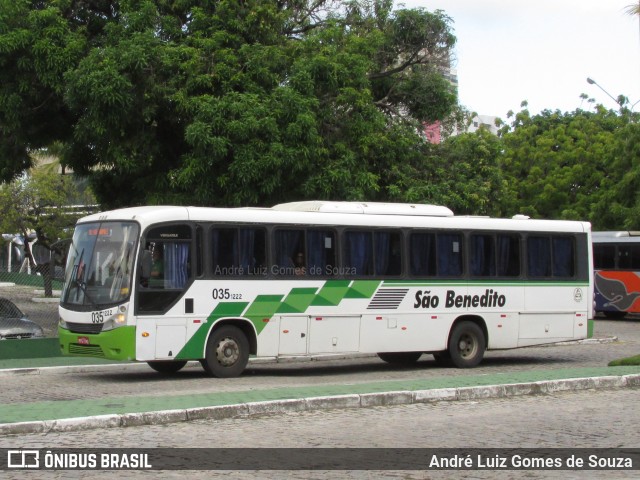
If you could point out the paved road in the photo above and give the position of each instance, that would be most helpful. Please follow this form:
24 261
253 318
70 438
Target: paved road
596 419
130 381
600 418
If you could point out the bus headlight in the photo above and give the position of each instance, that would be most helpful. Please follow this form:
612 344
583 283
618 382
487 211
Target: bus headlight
62 323
118 320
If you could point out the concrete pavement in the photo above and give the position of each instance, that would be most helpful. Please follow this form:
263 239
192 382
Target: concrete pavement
145 409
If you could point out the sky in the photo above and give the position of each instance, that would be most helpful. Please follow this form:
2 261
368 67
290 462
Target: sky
541 51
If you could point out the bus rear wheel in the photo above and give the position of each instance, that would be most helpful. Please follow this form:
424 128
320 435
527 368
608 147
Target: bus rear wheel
227 352
466 345
400 358
167 366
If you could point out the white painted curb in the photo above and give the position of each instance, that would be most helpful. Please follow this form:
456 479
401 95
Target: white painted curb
247 410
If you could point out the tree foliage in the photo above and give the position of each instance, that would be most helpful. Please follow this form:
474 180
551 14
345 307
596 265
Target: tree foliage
580 165
37 202
221 102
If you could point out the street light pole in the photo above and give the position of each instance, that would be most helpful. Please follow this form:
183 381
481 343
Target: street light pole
591 81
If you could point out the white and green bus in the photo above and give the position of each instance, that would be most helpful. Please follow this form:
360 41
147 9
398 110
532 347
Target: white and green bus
167 284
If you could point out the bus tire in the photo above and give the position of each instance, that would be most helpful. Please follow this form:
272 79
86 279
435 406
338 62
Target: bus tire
400 358
227 352
466 345
167 366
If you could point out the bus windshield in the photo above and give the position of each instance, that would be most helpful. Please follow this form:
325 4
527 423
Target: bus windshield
100 264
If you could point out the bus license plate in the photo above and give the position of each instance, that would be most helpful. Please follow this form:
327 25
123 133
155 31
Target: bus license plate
83 340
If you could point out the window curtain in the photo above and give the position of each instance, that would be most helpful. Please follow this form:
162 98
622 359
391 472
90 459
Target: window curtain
423 254
247 237
539 256
317 251
508 258
287 242
449 254
482 261
358 252
563 257
176 257
382 252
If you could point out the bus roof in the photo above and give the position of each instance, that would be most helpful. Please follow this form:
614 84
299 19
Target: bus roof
623 236
367 208
337 213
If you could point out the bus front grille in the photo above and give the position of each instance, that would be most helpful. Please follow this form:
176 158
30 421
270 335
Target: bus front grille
86 350
91 328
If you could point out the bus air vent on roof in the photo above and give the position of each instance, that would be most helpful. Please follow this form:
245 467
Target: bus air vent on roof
368 208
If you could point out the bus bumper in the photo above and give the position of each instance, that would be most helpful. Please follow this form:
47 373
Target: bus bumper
117 344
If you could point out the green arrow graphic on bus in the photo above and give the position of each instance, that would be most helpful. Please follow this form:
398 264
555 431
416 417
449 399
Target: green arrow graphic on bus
264 307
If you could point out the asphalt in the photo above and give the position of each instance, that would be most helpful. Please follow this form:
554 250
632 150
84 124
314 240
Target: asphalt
78 414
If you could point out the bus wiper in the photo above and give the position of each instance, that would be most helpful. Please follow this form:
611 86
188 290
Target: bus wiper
83 287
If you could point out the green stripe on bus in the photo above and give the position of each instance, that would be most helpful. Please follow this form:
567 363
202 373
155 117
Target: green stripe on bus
362 288
332 293
262 309
298 300
194 348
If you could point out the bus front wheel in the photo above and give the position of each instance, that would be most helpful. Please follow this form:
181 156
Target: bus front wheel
466 345
227 352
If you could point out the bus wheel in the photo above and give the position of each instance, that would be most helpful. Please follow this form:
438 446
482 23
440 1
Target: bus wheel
466 345
400 358
167 366
227 352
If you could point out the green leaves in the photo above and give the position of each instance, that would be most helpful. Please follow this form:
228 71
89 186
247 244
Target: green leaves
574 166
225 102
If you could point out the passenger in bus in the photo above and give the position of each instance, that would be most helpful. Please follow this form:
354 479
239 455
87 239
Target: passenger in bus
157 268
298 262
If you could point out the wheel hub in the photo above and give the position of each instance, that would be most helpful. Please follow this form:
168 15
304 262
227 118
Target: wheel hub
227 352
466 346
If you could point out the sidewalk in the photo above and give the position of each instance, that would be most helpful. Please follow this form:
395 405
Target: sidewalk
78 414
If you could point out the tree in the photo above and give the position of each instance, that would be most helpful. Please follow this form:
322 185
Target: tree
577 165
633 9
37 203
223 102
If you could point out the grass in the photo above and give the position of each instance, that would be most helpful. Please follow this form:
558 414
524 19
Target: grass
635 360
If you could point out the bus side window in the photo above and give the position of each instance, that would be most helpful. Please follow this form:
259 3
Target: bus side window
482 261
449 248
422 254
629 257
321 253
604 256
290 255
387 248
539 256
563 257
508 256
358 253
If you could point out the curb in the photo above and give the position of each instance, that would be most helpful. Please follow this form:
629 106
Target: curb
252 409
